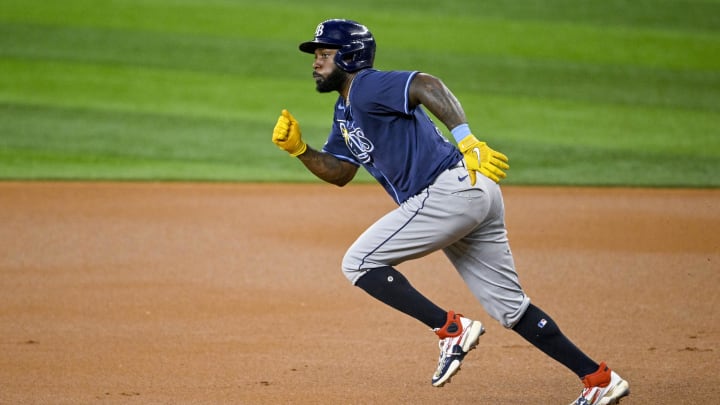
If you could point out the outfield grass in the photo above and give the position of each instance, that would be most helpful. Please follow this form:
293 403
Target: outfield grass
576 93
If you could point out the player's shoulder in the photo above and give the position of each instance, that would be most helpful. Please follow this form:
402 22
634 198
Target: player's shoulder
379 75
373 80
371 87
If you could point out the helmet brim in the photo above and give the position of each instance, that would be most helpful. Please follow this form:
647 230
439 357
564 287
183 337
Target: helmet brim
311 46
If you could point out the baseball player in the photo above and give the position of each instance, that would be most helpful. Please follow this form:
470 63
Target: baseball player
448 199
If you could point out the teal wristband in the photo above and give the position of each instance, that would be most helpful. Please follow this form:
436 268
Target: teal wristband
460 132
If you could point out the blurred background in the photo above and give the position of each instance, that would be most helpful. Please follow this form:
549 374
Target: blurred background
592 92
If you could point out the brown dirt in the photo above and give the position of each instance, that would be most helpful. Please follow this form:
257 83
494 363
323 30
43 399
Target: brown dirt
232 294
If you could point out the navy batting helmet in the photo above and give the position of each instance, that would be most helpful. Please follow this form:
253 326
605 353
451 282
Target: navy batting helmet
354 42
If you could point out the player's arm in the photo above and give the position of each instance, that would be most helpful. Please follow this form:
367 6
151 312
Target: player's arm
327 167
431 92
437 98
288 137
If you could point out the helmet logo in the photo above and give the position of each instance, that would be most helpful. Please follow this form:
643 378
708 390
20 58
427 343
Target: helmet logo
319 30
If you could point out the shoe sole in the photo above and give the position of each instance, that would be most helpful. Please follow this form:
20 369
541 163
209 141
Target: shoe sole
469 342
472 338
620 391
613 397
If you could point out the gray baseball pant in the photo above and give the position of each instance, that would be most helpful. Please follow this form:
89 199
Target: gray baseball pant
465 222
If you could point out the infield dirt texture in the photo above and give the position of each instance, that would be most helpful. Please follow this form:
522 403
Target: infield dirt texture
231 294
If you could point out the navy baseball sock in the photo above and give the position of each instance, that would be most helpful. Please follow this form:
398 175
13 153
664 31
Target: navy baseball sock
391 287
540 330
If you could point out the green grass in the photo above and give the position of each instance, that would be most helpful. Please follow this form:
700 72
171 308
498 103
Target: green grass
576 93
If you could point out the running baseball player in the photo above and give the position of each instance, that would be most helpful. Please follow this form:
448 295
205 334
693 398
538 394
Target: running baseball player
448 199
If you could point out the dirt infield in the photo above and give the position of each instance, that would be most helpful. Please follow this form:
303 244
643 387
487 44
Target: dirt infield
142 293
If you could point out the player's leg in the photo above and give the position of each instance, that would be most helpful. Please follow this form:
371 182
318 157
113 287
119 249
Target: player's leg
391 287
487 268
602 385
485 262
458 335
540 329
403 234
427 222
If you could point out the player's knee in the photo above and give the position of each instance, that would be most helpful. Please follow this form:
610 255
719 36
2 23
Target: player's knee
351 268
357 262
508 312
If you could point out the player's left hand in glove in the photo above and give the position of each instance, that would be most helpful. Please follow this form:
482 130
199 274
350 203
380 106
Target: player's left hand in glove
481 158
287 135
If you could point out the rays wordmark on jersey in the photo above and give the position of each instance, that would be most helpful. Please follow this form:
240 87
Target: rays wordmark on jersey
356 141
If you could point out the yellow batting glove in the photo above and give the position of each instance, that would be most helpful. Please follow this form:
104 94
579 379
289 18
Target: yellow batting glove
481 158
287 135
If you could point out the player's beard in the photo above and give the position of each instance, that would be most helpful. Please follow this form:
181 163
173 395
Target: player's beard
334 82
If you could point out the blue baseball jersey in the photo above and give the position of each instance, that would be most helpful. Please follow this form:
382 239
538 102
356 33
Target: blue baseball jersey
399 146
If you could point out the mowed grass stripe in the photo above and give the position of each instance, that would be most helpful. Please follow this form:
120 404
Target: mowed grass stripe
33 165
224 16
102 142
636 149
125 88
122 87
600 37
533 77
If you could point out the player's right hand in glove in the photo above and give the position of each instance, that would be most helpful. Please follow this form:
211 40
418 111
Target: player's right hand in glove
287 135
481 158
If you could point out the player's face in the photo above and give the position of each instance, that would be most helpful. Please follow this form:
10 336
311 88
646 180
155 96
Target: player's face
328 77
